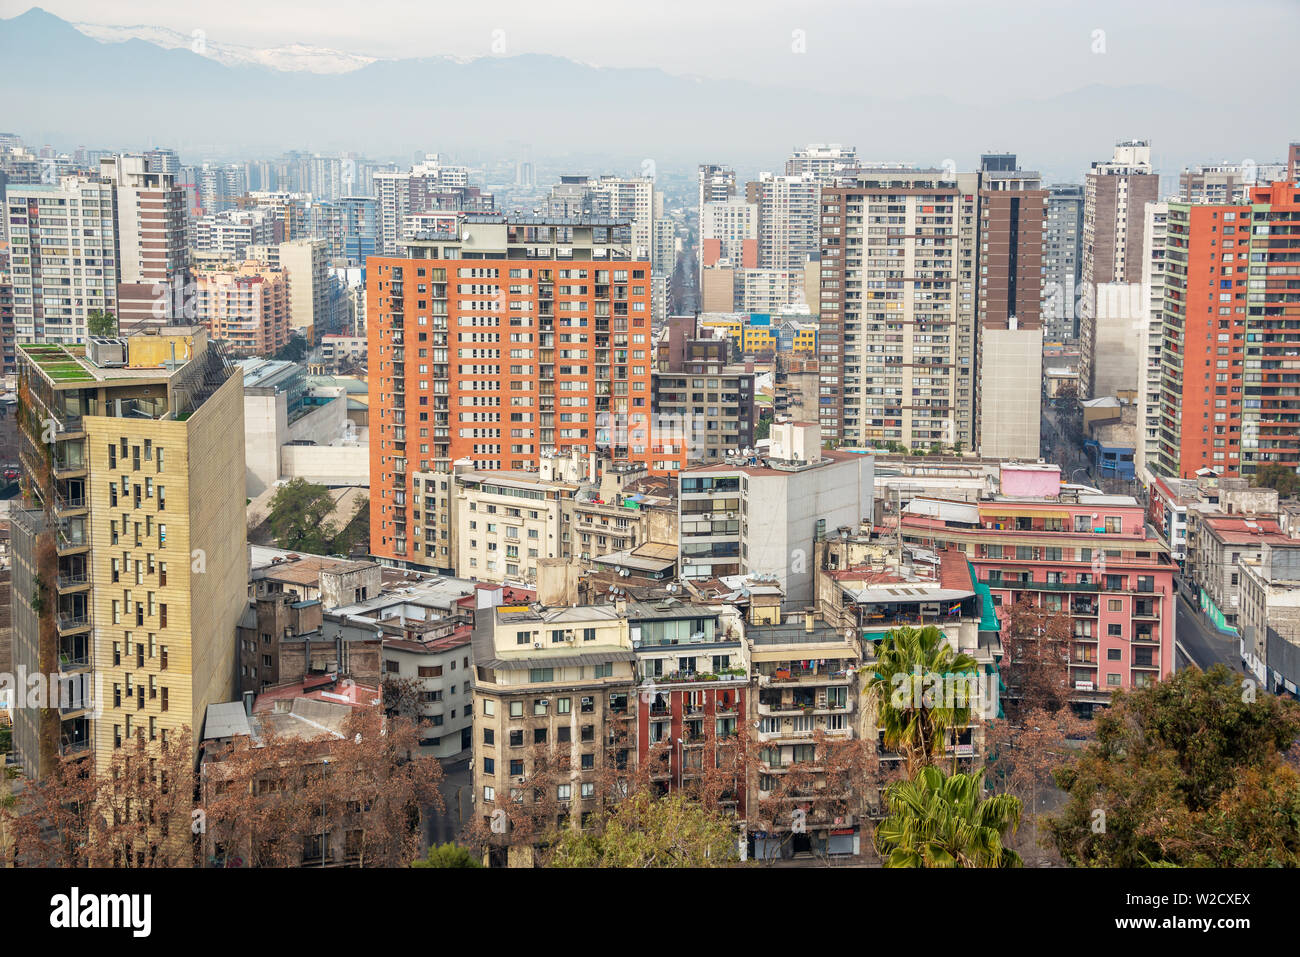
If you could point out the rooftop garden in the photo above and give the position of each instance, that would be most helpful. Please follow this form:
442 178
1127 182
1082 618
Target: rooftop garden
58 363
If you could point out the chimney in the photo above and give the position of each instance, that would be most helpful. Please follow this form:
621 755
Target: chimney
809 619
248 703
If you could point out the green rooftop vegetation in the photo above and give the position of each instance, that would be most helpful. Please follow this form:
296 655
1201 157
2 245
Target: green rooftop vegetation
55 361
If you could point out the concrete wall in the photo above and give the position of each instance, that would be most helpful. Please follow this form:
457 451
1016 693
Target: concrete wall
1010 392
265 421
327 464
1121 313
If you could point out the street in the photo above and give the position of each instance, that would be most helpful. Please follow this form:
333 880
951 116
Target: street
1197 642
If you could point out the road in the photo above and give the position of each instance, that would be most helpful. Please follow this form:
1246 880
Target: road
1198 642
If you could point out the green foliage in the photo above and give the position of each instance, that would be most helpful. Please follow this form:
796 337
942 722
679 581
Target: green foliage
1187 772
763 429
1278 477
644 832
906 658
298 517
294 351
448 855
101 323
935 820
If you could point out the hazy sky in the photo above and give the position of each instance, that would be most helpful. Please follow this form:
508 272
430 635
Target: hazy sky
1025 47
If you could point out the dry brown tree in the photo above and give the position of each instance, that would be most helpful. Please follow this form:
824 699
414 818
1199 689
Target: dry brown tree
137 813
284 801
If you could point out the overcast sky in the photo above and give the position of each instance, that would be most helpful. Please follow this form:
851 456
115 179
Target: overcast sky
1240 51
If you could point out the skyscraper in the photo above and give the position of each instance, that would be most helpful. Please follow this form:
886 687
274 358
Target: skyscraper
1115 197
50 224
1228 399
896 342
502 340
130 565
1062 261
153 252
1012 217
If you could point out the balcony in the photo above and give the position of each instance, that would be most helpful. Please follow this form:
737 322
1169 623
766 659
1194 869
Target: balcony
71 622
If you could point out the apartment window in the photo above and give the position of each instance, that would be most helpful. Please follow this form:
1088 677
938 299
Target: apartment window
490 707
516 709
162 705
489 793
1114 604
564 734
1114 654
162 615
541 705
539 735
516 767
516 738
587 763
564 792
1115 630
562 705
489 766
588 790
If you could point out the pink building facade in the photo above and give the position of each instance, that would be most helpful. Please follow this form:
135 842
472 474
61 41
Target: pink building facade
1079 554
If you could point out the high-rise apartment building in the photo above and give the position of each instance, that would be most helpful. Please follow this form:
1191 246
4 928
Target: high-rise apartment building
229 234
717 183
787 219
1115 197
307 263
130 565
153 252
896 341
1151 336
824 162
1228 396
246 307
496 341
1062 262
1012 217
729 232
63 243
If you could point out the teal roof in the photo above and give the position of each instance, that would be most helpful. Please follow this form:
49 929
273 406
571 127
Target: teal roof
988 611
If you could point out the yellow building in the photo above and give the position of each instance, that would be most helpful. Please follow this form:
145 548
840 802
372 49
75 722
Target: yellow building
143 501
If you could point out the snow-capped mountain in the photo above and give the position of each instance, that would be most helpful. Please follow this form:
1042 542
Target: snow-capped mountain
293 57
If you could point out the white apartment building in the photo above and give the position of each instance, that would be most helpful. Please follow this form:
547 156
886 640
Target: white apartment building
896 338
63 256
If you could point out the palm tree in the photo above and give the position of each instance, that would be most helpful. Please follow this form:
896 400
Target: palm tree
916 720
940 821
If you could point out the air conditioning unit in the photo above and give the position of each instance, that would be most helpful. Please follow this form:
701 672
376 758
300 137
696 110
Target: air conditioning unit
537 644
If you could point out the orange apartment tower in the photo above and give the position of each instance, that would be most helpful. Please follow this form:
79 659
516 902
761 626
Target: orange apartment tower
502 340
1230 383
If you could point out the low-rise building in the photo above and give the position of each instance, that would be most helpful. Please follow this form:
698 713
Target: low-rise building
763 512
1269 617
1071 552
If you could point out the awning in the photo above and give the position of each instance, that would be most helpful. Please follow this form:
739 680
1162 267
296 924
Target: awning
992 511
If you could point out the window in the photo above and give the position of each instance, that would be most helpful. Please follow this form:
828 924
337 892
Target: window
564 735
588 790
516 767
588 732
489 793
562 705
1115 604
489 766
1115 630
541 705
1114 654
588 763
516 738
489 736
490 707
539 735
516 709
564 792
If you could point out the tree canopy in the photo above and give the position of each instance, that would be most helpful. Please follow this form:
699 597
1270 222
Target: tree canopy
1192 772
448 855
1275 476
671 831
298 520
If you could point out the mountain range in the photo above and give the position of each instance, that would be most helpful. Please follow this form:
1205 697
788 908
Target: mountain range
64 87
